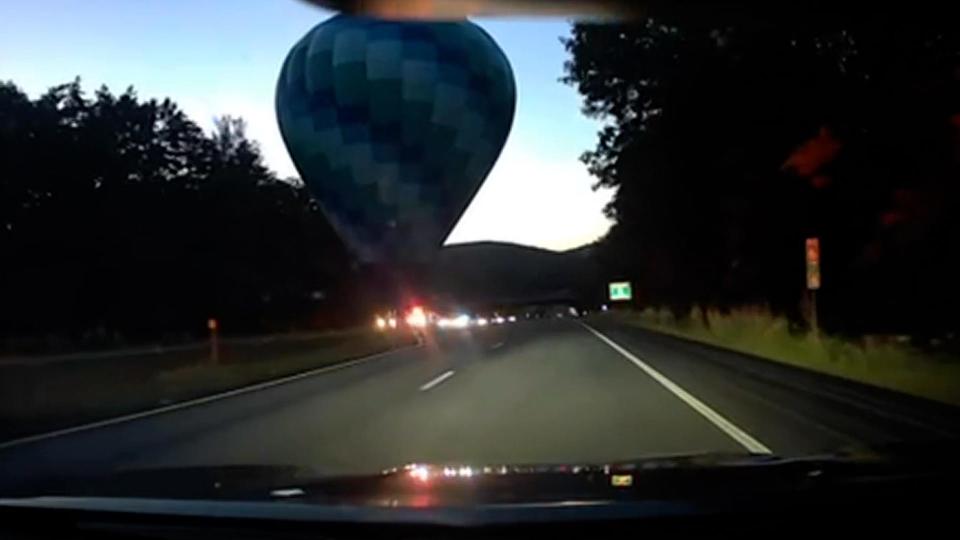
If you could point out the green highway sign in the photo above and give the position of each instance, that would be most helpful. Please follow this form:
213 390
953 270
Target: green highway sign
620 291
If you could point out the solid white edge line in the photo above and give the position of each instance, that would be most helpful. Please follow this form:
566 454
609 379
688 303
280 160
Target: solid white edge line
437 380
728 427
198 401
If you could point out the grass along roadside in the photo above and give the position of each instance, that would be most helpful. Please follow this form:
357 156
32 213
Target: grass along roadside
883 363
185 382
45 397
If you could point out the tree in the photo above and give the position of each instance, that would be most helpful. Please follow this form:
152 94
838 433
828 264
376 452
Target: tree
119 214
730 137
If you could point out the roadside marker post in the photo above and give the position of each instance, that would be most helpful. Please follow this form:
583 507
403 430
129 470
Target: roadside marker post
813 280
213 327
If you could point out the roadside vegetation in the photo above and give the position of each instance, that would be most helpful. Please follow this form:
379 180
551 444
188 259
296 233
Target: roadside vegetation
731 139
124 222
40 396
887 362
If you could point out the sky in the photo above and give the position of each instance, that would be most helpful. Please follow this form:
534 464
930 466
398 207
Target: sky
215 57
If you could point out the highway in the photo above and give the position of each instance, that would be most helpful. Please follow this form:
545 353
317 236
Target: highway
549 391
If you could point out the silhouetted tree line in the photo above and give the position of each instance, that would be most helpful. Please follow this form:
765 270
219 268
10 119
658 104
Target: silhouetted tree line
733 135
121 216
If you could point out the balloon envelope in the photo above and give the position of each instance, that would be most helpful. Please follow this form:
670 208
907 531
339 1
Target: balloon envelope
393 126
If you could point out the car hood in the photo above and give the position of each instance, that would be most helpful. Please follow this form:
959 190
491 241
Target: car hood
701 476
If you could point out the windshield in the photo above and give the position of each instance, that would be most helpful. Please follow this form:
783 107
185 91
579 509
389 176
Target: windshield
292 234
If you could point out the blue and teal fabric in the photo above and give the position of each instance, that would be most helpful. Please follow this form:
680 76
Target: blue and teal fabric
394 125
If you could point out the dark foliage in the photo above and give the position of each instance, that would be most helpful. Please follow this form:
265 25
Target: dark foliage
733 136
120 215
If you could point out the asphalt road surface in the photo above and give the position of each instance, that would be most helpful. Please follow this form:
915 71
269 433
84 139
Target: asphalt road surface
551 391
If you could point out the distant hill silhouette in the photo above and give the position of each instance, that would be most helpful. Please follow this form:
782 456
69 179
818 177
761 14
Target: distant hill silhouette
497 273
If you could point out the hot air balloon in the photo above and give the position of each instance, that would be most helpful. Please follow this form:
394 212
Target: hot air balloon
393 126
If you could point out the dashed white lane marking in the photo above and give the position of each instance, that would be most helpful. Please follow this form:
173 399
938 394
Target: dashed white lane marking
497 345
728 427
433 382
